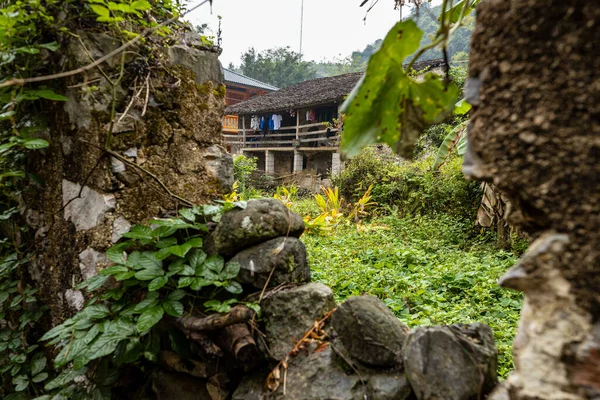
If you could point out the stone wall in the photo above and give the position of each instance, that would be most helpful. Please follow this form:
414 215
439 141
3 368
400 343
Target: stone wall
304 346
164 151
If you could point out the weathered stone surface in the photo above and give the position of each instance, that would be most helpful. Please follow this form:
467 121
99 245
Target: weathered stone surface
316 377
88 210
289 314
218 163
370 331
202 61
286 255
175 386
388 386
75 299
120 227
261 220
88 261
455 362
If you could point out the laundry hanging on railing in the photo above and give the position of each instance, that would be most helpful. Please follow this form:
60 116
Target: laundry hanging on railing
255 123
311 115
276 119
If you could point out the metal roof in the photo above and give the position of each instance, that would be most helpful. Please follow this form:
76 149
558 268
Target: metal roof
234 77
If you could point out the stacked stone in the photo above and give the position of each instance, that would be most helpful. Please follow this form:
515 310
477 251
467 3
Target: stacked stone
368 352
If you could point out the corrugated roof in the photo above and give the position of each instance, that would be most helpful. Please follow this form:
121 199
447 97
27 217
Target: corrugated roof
310 93
234 77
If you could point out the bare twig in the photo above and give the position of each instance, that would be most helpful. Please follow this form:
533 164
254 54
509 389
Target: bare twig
147 95
238 314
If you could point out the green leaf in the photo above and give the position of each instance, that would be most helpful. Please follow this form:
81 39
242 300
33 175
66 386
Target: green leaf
21 382
173 308
64 378
114 270
93 283
167 242
157 283
101 11
124 276
40 377
215 263
52 46
35 144
199 283
185 282
187 214
234 287
116 253
462 107
232 269
149 260
96 311
38 363
149 318
163 231
150 301
449 144
176 295
48 94
196 258
139 232
390 106
141 5
149 274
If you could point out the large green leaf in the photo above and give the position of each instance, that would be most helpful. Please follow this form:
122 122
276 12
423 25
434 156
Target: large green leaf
389 105
149 318
451 141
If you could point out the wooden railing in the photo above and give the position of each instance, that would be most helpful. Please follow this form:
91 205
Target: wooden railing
230 124
288 136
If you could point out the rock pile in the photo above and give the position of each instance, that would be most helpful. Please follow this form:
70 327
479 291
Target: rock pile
359 351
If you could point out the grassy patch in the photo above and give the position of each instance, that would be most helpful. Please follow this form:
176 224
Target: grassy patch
428 270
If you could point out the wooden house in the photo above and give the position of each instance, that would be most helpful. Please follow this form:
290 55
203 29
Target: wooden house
309 132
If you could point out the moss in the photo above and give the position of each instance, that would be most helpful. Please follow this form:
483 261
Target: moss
219 91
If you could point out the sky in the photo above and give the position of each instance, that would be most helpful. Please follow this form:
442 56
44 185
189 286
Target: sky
332 28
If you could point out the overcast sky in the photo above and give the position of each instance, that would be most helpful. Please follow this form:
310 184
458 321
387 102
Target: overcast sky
332 28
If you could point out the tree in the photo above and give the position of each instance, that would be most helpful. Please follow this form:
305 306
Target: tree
280 66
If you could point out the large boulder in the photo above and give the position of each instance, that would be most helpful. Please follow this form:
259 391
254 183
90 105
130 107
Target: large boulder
286 255
455 362
290 313
261 220
370 331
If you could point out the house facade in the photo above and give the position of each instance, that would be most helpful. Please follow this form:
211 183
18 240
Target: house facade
298 127
239 88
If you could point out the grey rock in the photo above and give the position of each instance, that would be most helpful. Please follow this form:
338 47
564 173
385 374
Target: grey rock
388 386
286 255
88 210
120 227
218 164
75 299
319 376
203 63
176 386
370 331
472 86
88 261
261 220
132 152
455 362
290 313
117 165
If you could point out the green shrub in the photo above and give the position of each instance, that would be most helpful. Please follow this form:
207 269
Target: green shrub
412 187
243 167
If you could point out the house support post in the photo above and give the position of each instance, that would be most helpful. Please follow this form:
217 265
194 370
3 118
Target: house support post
336 164
270 162
298 161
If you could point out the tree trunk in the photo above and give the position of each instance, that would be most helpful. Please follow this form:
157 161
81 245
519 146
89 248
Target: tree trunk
535 134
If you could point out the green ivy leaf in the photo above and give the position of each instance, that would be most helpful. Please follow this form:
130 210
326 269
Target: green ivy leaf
124 276
234 287
215 263
64 378
116 253
38 363
96 311
35 144
176 295
173 308
167 242
157 283
390 106
185 282
150 301
139 232
149 274
149 318
141 5
93 283
40 377
232 269
21 382
187 214
114 270
101 11
199 283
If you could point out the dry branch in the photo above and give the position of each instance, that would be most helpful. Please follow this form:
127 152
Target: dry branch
238 314
238 340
